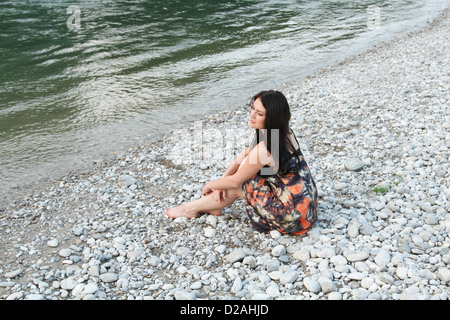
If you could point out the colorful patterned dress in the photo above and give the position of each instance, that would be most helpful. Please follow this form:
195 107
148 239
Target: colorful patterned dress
286 201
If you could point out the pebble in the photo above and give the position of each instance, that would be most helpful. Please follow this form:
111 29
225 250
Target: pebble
354 164
13 274
359 256
235 255
109 277
68 284
53 243
311 285
383 226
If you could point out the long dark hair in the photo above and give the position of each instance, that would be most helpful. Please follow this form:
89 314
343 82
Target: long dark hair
278 115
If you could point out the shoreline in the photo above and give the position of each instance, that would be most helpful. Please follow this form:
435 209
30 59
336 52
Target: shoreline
382 231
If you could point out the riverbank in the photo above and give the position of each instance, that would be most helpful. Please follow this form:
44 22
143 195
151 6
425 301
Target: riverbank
375 132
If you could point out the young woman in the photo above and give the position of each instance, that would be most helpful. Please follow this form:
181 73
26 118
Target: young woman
271 175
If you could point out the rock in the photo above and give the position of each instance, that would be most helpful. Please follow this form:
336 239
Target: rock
275 234
354 164
444 274
184 295
311 285
237 285
250 261
279 250
235 255
90 288
272 265
15 296
411 293
326 285
356 276
353 230
273 291
53 243
108 277
402 273
126 180
334 296
382 258
288 277
221 249
366 229
35 296
196 285
13 274
260 296
210 232
358 256
340 186
302 255
338 260
68 284
78 230
65 252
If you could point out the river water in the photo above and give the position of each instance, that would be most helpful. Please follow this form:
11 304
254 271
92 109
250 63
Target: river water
82 79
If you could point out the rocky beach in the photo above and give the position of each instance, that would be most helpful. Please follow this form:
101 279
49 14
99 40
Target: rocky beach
375 130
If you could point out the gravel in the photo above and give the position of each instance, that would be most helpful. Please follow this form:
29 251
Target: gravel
375 129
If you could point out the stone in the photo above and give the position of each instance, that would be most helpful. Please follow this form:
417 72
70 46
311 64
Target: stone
338 260
90 288
302 255
109 277
15 296
273 291
275 234
358 256
353 164
334 296
35 296
154 261
311 285
53 243
237 285
382 258
260 296
326 285
356 276
288 277
367 229
444 274
210 232
272 265
184 295
13 274
68 284
65 252
235 255
278 250
353 230
249 261
126 180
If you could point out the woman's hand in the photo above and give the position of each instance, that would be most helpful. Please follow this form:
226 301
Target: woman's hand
219 195
206 189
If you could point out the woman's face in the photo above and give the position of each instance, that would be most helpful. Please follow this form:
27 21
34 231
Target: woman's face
257 115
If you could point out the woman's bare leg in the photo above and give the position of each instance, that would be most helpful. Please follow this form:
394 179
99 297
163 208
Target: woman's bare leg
205 204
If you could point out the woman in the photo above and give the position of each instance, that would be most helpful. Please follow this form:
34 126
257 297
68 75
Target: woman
271 175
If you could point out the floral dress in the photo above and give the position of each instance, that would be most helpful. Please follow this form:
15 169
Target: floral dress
286 201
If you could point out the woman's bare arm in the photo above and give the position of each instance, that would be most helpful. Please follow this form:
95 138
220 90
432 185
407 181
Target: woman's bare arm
234 166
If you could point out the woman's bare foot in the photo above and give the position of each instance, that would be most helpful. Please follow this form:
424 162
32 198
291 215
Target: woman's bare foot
181 211
217 212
